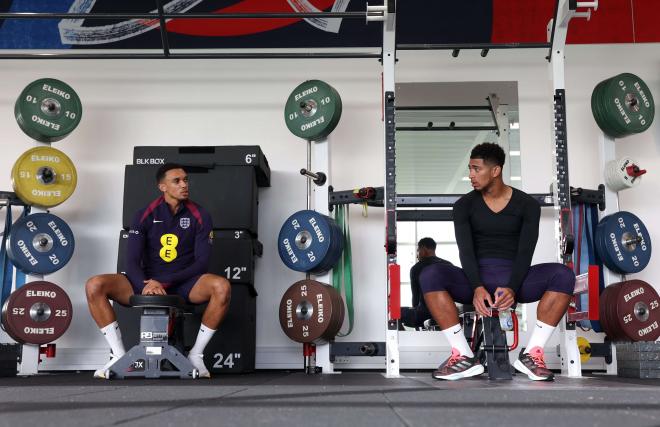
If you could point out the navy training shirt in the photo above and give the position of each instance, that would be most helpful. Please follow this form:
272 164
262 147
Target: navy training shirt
169 248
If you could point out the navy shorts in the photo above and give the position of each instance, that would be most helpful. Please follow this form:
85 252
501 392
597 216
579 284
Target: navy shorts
182 288
495 273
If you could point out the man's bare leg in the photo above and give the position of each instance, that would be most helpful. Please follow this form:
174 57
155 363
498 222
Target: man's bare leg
103 288
442 308
217 291
444 312
552 307
100 290
549 312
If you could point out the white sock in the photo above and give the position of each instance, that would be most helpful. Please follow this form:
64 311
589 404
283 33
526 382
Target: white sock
203 337
457 340
112 335
540 335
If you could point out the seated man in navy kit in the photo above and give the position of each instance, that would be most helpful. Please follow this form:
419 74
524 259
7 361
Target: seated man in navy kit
415 316
169 247
496 230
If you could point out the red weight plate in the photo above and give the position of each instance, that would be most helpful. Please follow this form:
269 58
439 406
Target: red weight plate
307 311
604 309
37 313
617 334
638 311
337 316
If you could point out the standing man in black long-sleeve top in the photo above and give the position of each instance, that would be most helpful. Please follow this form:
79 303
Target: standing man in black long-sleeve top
496 229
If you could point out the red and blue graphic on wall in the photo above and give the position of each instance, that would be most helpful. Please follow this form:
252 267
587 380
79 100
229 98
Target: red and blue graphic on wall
418 21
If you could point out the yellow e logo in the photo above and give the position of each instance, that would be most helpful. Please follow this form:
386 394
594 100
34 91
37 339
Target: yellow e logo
168 251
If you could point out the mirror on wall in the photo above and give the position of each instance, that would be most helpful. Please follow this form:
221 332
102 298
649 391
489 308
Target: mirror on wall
437 125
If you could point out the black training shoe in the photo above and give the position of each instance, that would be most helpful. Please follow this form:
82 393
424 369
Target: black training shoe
458 366
532 364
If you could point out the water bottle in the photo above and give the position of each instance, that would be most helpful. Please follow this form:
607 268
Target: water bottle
506 319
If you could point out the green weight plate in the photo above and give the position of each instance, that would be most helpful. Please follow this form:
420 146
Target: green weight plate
616 118
44 176
313 110
601 111
623 105
597 108
48 110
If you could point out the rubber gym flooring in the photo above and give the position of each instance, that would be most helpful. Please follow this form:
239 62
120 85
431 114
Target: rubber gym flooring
346 399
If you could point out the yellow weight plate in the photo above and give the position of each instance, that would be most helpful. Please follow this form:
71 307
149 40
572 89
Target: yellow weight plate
44 176
585 349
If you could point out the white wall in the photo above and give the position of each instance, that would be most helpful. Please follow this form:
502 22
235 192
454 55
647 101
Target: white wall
223 102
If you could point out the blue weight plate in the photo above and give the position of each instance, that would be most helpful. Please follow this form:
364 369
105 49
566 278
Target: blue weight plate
328 259
305 240
601 249
602 241
335 251
625 242
621 257
40 243
338 249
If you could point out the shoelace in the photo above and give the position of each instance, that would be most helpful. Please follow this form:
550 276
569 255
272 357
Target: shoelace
538 359
454 359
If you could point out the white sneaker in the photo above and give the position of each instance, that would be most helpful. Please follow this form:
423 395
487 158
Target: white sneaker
197 361
104 372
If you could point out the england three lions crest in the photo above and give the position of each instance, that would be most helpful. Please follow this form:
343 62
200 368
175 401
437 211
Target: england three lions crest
184 222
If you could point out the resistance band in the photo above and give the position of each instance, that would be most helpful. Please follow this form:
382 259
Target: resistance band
585 220
342 273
